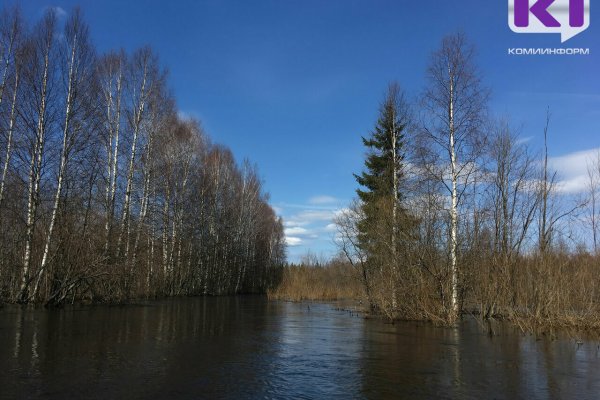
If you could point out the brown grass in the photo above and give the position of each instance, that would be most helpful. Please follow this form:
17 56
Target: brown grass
334 281
547 292
556 292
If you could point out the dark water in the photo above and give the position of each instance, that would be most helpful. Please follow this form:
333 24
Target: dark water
249 348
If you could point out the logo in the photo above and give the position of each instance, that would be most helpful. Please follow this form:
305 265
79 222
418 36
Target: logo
567 17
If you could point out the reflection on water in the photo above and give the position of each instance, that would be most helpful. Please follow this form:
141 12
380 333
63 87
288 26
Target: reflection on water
247 347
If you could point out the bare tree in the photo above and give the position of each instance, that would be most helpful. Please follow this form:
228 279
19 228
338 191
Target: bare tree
79 68
84 139
551 212
512 205
347 241
111 75
455 102
11 41
144 79
11 27
512 193
39 74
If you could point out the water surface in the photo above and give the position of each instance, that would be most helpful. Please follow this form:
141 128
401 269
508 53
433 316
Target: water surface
250 348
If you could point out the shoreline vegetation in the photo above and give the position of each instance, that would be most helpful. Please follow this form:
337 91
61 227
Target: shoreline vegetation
563 302
108 192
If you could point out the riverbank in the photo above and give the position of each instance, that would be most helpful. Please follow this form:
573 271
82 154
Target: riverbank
556 293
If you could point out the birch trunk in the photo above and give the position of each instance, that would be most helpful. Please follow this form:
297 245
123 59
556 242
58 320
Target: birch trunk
136 130
62 168
35 167
454 205
11 127
113 153
9 53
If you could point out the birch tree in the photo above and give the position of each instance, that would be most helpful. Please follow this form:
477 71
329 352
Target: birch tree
144 77
79 69
11 43
513 205
39 75
111 76
454 104
112 184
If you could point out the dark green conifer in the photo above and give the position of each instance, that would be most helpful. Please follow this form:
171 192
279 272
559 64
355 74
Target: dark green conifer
381 181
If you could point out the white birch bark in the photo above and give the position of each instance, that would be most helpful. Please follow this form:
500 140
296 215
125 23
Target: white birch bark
454 202
114 125
63 164
9 139
138 115
35 167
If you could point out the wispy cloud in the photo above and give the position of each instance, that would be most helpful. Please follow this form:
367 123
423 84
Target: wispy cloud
572 170
524 139
296 231
308 217
323 199
293 241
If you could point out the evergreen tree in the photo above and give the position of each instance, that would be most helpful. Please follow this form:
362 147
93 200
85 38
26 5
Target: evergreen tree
383 216
385 160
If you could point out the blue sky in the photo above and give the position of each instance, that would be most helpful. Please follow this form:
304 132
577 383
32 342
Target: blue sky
292 85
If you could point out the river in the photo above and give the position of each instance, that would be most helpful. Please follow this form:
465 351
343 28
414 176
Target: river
252 348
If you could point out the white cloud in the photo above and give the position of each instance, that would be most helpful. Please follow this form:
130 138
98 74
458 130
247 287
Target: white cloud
293 241
309 227
308 217
574 185
572 170
525 139
322 200
296 231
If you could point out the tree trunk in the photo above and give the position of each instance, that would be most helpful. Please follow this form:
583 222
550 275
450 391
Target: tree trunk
35 173
453 208
11 127
62 169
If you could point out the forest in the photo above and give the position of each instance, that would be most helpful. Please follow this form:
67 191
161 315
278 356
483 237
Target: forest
106 192
456 214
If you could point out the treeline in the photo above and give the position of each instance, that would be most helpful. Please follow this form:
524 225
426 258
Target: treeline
455 213
106 193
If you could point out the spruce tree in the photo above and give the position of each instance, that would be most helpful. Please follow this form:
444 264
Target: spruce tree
380 191
385 158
